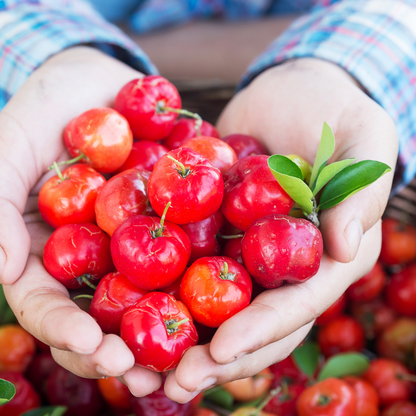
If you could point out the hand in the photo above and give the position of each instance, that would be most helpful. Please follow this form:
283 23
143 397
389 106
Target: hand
31 126
286 107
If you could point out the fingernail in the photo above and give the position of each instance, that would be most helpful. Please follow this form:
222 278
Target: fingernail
2 263
208 382
353 234
101 371
193 395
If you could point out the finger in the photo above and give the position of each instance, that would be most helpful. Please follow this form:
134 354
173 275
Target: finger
111 359
344 225
275 314
141 381
42 306
197 370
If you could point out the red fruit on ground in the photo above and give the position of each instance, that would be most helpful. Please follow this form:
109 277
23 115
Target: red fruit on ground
245 145
279 248
158 329
401 291
400 409
144 155
113 296
388 377
366 394
25 399
398 244
369 286
150 254
343 334
329 397
102 135
190 182
219 153
115 393
72 200
123 196
215 288
17 348
252 192
142 100
284 403
185 129
78 252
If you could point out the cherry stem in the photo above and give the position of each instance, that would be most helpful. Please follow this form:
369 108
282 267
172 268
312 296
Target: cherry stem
270 396
82 297
197 117
224 275
67 162
58 171
183 171
313 216
86 280
159 231
229 237
406 377
324 400
172 325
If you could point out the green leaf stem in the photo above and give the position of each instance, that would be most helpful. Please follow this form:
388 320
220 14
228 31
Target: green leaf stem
7 391
325 150
290 178
346 364
350 180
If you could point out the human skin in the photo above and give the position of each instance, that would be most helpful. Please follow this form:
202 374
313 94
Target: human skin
277 320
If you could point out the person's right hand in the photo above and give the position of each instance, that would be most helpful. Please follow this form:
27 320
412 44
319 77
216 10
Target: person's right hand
31 126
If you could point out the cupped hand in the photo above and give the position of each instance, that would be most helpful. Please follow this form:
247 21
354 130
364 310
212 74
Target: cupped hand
31 126
285 107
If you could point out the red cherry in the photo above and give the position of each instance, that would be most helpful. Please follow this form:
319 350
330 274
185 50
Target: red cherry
144 155
78 252
150 253
102 135
369 286
214 289
190 182
113 296
245 145
398 244
252 192
142 101
158 330
403 408
366 394
279 248
334 311
185 129
219 153
122 196
202 235
70 199
401 291
25 399
343 334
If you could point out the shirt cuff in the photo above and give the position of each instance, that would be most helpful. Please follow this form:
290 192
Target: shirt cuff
33 32
374 41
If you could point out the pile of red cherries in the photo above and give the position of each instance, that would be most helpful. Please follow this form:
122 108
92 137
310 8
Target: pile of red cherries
175 228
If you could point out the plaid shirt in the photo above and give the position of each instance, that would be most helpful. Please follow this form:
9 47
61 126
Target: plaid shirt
374 40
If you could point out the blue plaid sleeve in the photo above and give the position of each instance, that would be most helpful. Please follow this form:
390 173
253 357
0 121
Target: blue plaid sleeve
375 41
32 31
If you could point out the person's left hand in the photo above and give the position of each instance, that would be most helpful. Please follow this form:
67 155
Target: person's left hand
285 107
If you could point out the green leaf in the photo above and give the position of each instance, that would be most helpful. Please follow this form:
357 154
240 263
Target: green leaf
7 391
220 396
347 364
351 180
306 358
325 150
290 178
47 411
328 172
